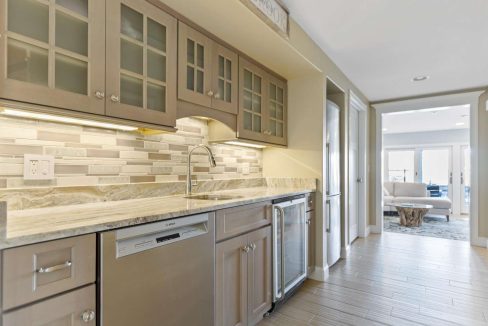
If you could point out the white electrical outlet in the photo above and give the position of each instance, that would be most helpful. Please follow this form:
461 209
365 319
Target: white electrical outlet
38 167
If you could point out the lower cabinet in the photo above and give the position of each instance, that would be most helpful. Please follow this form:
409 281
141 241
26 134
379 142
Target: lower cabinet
74 308
243 278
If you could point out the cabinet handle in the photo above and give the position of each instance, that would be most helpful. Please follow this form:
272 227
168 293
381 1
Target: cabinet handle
44 270
246 249
99 95
114 98
253 246
210 93
88 315
309 222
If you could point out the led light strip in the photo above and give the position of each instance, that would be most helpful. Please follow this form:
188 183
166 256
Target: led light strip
55 118
238 143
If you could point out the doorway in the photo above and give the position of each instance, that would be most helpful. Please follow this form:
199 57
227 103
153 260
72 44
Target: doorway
460 157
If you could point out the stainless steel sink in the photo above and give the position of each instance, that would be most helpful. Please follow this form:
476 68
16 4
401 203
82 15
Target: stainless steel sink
213 197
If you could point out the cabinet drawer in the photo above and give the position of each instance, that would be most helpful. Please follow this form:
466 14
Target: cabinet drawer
237 220
67 309
37 271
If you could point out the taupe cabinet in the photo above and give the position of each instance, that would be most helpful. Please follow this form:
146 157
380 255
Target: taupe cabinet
243 265
262 105
207 71
53 54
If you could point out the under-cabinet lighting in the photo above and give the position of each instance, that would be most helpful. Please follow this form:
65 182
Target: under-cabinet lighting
459 123
55 118
238 143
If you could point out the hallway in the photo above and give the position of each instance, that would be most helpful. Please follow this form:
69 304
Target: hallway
396 279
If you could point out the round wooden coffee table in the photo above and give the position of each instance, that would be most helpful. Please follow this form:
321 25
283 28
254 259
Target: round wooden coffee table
411 214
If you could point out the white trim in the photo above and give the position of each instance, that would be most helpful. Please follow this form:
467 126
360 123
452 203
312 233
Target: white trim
355 103
320 274
345 251
471 98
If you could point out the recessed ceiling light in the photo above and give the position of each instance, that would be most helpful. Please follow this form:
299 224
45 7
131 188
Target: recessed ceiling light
459 123
420 78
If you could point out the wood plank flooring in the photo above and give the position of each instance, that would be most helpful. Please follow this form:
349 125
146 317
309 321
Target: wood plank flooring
396 279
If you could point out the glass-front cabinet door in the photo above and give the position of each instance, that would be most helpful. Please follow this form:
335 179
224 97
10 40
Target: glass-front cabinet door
194 66
275 129
141 62
52 52
252 92
225 79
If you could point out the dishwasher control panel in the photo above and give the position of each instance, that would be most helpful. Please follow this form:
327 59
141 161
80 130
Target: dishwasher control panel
145 237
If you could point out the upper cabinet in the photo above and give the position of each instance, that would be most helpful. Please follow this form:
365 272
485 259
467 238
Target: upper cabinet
207 71
262 105
53 53
141 62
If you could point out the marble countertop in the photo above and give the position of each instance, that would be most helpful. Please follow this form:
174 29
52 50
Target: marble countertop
43 224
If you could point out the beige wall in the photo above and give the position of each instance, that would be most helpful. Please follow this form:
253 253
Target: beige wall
483 165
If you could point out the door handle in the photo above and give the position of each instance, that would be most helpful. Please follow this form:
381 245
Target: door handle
327 229
359 180
282 246
450 178
462 178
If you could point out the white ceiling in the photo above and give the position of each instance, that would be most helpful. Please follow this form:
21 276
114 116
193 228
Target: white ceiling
427 120
382 44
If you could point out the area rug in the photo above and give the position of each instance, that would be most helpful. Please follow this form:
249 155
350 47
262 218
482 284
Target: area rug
438 227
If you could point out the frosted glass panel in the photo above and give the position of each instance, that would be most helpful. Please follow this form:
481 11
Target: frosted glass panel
279 96
132 23
247 121
26 62
257 84
156 66
221 89
272 110
156 35
228 92
190 78
200 81
71 33
256 125
247 100
247 79
221 66
190 51
78 6
156 97
131 90
272 91
279 129
279 112
71 74
131 56
228 69
272 127
29 18
256 103
200 56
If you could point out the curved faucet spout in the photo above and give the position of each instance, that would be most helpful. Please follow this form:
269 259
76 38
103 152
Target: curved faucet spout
211 160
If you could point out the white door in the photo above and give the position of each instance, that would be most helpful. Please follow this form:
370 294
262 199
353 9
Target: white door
354 177
465 179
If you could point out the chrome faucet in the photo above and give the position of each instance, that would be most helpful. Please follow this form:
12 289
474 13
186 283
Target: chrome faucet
211 159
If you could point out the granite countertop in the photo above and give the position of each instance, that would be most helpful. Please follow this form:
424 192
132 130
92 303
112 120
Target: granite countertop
42 224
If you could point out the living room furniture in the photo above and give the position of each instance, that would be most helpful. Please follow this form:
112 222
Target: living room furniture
414 193
412 214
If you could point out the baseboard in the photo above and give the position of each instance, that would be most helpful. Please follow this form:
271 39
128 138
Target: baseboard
345 251
366 233
320 273
480 242
375 229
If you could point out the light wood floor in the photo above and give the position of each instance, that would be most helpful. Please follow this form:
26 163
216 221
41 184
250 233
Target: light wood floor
396 279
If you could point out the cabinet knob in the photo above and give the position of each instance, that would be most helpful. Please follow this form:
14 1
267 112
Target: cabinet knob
210 93
309 222
246 249
253 246
114 98
99 95
88 316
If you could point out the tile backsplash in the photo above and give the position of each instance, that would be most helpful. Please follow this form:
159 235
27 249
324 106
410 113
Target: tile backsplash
86 156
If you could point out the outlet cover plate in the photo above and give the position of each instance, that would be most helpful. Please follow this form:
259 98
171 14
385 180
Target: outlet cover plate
38 167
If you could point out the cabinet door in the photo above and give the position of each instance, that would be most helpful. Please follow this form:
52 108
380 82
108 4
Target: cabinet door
231 282
252 92
311 240
259 274
53 53
225 79
275 112
141 62
194 66
75 308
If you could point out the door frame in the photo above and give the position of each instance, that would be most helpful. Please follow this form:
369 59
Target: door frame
355 103
468 98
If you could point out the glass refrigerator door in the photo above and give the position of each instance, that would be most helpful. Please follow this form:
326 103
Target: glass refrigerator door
295 244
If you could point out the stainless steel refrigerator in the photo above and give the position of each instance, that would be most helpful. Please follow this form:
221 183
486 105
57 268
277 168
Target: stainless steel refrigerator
333 184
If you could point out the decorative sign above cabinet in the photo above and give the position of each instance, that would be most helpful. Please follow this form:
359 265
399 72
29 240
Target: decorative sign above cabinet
271 12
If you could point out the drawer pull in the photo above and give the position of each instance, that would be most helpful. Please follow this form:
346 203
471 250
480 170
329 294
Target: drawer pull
55 268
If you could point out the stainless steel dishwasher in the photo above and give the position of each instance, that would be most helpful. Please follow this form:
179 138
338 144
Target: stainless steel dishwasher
159 274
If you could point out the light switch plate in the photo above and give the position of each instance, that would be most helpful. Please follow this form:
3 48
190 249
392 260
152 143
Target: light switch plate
38 167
